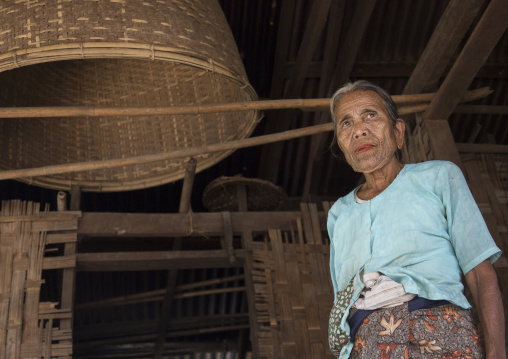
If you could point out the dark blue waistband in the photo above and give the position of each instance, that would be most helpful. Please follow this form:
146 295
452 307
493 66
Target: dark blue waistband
414 304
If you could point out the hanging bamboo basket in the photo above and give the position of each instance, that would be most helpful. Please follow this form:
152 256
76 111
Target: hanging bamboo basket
117 53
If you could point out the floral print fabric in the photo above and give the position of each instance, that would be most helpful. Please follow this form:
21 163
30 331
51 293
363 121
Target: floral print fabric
443 332
337 337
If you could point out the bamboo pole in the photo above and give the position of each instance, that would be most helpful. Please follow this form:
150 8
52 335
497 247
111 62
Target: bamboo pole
200 150
320 104
148 296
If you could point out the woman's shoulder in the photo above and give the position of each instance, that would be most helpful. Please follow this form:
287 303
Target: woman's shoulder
341 204
431 168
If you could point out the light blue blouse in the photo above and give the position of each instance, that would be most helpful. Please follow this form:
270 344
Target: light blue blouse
422 231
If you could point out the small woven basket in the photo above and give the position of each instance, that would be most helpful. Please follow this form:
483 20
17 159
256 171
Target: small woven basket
222 194
117 53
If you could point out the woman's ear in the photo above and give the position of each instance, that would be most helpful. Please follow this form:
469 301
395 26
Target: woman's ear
400 128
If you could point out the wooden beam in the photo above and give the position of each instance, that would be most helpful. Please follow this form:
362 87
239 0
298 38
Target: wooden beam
485 36
282 48
96 224
144 261
442 142
346 57
482 41
325 76
313 30
445 39
348 50
69 274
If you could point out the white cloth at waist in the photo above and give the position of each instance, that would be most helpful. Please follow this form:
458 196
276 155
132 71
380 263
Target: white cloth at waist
381 292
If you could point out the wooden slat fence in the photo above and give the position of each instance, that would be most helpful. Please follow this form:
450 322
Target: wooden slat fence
30 328
293 290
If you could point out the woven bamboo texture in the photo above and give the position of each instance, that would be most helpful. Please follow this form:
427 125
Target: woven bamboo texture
117 53
27 326
293 292
417 144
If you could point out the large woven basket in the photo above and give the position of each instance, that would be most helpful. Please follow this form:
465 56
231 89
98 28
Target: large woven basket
222 194
109 53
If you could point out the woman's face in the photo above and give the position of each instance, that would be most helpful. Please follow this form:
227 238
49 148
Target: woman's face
365 132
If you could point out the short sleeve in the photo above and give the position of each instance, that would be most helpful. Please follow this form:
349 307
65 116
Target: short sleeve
330 226
468 232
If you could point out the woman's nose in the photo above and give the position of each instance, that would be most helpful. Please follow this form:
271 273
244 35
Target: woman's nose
359 129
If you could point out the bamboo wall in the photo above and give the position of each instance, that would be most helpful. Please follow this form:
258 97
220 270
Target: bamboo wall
293 290
30 328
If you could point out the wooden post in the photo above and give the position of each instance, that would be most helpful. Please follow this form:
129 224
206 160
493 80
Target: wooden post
69 274
184 207
247 268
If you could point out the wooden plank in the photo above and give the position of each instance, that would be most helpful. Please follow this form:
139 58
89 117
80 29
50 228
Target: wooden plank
68 225
68 280
156 225
6 259
480 44
139 261
41 217
440 49
14 329
60 262
53 238
32 294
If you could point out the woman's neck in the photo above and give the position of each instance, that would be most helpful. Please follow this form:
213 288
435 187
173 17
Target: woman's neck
377 181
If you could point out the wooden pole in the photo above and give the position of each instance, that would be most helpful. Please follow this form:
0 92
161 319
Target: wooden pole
172 277
195 151
319 104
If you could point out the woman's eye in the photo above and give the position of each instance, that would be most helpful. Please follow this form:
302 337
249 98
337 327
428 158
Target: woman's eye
345 123
371 115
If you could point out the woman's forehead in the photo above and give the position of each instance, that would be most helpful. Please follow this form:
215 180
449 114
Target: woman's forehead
358 101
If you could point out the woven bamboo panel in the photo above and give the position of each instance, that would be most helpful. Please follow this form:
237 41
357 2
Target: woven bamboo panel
117 53
293 293
417 144
27 326
487 176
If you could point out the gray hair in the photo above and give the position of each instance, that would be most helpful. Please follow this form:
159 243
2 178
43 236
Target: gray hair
363 85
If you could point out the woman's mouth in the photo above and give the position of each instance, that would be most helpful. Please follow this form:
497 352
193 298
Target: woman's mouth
364 148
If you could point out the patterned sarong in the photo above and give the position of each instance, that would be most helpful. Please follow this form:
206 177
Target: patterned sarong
446 331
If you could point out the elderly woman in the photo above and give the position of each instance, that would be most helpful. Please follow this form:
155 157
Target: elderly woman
400 243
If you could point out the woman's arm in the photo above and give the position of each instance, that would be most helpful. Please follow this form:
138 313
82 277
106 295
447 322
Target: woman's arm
482 282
